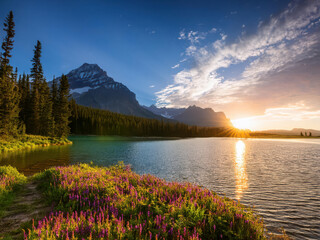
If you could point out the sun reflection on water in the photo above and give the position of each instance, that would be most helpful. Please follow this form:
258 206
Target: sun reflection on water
240 169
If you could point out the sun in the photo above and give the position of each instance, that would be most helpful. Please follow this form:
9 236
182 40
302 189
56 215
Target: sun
243 123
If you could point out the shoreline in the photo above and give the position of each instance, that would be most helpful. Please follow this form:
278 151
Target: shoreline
25 142
143 206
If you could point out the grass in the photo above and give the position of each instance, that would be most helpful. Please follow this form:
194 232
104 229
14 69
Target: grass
115 203
30 141
10 181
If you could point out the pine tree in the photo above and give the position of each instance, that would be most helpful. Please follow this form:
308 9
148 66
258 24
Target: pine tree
7 46
27 107
41 117
62 122
36 70
36 76
9 98
46 118
55 103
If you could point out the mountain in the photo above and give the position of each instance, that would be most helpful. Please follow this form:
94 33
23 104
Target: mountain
165 112
292 132
91 86
193 115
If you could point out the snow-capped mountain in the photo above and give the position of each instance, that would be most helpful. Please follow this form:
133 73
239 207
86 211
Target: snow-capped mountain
194 115
165 112
91 86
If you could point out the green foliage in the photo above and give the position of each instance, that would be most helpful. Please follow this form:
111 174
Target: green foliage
7 45
86 120
9 97
42 121
63 111
10 180
30 141
115 203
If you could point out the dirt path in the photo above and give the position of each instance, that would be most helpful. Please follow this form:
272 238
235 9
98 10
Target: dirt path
28 205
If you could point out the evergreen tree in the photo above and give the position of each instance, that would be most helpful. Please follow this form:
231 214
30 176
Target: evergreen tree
36 76
46 119
301 134
55 103
62 121
310 134
36 70
27 107
7 46
41 113
9 97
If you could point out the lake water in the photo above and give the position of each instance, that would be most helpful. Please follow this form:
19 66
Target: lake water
280 178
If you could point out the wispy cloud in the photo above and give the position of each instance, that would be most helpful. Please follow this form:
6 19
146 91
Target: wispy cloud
285 117
176 66
213 30
289 40
193 36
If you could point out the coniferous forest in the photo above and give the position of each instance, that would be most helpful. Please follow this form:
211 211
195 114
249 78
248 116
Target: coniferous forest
86 120
27 104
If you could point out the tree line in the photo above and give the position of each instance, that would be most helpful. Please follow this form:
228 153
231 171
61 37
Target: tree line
87 120
27 103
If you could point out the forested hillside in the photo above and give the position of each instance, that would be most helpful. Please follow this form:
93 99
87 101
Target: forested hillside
86 120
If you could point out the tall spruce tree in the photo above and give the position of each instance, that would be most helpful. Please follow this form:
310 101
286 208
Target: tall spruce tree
36 76
7 45
55 103
9 97
46 118
62 121
41 111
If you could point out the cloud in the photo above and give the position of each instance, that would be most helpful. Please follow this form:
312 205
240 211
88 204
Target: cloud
191 50
192 36
182 35
176 66
151 86
213 30
284 117
287 41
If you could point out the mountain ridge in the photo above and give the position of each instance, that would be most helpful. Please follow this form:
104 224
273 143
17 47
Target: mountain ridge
194 115
91 86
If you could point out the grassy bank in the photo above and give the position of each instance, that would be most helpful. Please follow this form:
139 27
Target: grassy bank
116 203
30 141
10 181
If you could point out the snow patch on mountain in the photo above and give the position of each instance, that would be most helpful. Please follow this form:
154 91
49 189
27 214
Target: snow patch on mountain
80 90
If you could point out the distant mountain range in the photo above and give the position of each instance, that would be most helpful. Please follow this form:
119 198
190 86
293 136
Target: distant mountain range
165 112
193 115
293 132
91 86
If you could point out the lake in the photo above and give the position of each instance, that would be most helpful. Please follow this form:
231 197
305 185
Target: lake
279 177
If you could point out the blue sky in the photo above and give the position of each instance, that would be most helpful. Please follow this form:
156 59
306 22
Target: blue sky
179 53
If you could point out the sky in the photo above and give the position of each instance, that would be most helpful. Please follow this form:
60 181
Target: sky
257 61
